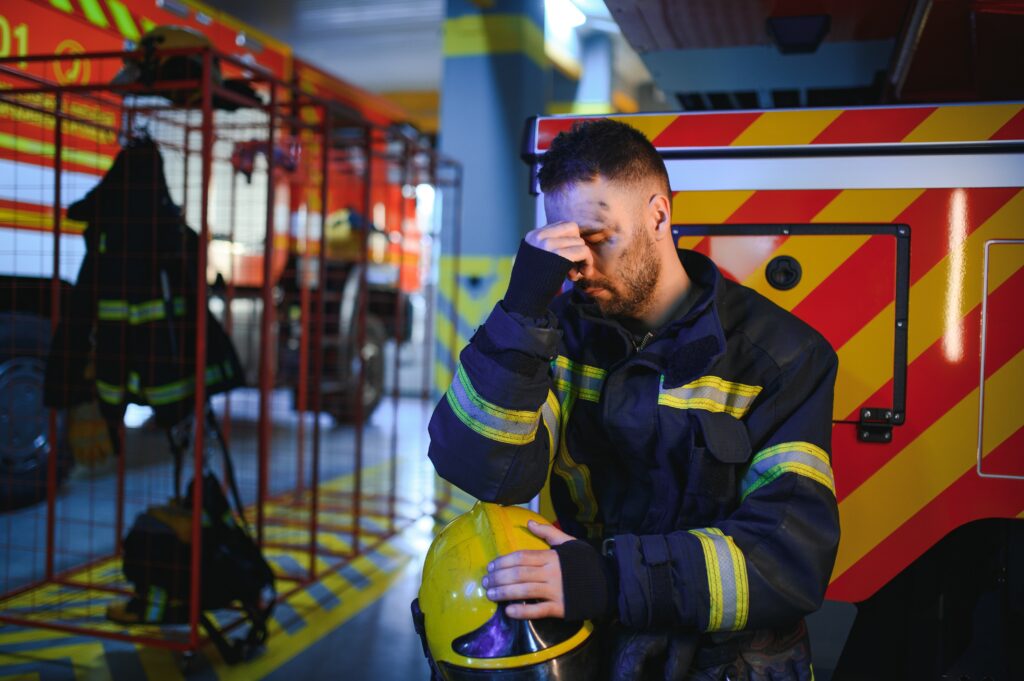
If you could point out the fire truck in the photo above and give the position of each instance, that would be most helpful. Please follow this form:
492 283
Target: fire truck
898 233
373 234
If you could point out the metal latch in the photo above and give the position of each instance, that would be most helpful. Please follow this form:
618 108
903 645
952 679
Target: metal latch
875 424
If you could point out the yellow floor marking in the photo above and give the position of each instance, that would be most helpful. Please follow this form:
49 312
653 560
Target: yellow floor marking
917 475
927 299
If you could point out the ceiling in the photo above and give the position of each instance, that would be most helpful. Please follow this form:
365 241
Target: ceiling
380 45
702 54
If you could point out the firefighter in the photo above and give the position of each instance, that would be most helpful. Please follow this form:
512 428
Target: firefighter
684 419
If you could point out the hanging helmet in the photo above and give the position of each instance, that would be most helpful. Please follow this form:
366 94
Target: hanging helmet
467 636
150 65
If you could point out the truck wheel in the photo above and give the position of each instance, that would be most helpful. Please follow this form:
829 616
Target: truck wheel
343 406
25 446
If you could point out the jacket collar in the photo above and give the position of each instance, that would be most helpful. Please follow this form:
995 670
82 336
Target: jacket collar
684 348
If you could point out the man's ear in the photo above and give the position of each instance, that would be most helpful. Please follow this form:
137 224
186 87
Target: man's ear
661 212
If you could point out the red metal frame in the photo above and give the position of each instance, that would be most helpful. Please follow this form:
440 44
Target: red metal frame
309 502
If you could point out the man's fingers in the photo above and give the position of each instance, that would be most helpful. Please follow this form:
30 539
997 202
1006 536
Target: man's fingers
519 592
561 243
534 611
549 533
532 558
518 574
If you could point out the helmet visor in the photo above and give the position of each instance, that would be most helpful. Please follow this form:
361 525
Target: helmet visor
582 662
502 636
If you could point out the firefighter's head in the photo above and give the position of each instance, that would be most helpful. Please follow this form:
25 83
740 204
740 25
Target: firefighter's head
609 179
468 636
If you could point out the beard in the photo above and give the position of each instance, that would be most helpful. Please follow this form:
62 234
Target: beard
639 269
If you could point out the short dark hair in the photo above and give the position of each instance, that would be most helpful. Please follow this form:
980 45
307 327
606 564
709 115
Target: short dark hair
601 146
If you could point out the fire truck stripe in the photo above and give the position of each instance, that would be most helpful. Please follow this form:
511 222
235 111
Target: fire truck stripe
873 126
868 205
819 257
715 130
63 6
937 386
934 208
706 208
1013 130
932 287
94 13
123 20
651 126
783 205
929 474
969 498
776 128
959 123
876 255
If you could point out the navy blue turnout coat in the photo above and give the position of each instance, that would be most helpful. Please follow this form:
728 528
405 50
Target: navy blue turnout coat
705 454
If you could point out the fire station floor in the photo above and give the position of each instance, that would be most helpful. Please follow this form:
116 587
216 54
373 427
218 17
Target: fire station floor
352 623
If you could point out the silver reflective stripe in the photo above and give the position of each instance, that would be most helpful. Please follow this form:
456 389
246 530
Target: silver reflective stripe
710 393
728 587
800 458
582 380
510 426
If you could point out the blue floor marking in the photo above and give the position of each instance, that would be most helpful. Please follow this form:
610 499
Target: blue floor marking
354 577
323 596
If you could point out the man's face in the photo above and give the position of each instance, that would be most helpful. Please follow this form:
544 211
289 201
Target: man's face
611 217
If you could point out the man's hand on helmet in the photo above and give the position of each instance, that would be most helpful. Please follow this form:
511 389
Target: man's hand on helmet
530 576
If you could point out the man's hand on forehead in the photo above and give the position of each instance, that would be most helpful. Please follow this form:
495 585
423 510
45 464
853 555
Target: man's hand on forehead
564 239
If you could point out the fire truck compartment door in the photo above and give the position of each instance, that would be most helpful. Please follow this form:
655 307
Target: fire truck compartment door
998 422
848 281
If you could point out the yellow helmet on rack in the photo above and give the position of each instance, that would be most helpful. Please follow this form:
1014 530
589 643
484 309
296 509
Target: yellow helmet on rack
466 635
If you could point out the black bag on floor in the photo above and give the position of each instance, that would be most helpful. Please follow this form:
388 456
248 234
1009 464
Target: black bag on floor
157 561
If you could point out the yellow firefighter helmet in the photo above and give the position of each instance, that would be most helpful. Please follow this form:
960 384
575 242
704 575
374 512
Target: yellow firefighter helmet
467 636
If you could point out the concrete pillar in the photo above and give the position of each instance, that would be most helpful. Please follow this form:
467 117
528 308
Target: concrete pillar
592 92
493 80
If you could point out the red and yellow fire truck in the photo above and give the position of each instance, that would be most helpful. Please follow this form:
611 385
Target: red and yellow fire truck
898 233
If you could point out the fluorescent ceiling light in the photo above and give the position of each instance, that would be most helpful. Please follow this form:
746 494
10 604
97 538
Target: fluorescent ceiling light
564 14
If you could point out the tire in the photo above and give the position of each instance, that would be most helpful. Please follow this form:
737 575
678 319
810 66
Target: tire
25 446
343 406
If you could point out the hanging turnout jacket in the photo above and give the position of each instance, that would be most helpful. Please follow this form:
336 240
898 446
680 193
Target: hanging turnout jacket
704 454
134 305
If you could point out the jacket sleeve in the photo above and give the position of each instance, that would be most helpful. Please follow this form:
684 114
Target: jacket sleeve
493 432
769 562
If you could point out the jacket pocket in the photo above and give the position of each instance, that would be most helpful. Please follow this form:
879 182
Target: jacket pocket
720 449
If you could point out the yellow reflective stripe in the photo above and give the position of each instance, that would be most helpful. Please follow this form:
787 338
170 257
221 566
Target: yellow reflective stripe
550 412
109 310
109 393
94 13
710 393
123 19
160 394
800 458
728 585
511 426
63 6
581 380
576 475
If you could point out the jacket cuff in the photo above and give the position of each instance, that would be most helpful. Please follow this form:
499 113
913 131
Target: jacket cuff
537 276
589 584
652 592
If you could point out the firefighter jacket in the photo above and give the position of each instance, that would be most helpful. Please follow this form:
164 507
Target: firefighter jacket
704 452
134 305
